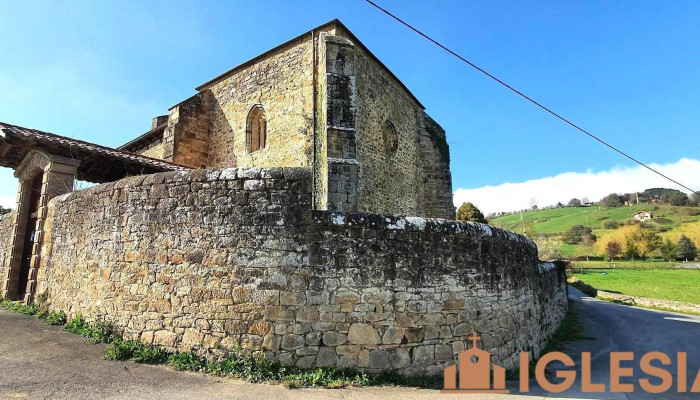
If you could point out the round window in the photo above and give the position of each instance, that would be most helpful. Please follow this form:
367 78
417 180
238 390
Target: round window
391 140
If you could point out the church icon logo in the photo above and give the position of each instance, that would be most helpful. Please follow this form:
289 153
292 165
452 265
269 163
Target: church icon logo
474 372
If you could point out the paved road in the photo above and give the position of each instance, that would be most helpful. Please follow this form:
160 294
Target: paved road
622 328
38 361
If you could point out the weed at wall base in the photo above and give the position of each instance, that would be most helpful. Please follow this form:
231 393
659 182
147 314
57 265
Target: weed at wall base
96 332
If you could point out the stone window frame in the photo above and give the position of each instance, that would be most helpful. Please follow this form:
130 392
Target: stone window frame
389 129
256 111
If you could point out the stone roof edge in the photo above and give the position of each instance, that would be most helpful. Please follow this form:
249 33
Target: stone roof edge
327 24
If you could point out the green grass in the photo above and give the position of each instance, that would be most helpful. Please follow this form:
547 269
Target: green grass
559 220
651 263
664 284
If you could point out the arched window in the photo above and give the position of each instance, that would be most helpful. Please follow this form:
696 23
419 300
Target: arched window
391 139
256 129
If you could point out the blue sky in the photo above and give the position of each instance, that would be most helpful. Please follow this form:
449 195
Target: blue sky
628 71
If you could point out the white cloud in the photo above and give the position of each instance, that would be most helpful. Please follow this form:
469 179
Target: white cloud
8 202
594 185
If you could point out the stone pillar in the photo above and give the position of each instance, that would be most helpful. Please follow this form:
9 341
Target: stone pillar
341 132
58 176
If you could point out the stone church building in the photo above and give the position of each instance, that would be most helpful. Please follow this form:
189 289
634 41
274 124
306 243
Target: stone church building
321 100
299 205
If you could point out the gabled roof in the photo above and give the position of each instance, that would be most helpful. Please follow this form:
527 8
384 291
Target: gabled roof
97 163
318 28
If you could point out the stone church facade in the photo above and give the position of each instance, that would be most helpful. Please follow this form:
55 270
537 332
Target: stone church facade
324 101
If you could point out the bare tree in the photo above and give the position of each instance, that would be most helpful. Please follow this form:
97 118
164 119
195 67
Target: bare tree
533 204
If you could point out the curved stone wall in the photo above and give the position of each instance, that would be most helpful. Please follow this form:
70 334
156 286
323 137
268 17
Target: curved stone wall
208 260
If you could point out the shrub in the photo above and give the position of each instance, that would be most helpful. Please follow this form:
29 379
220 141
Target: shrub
96 332
610 224
187 362
327 378
251 367
135 351
17 307
576 234
52 318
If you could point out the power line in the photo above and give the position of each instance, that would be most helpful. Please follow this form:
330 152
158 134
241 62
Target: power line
521 94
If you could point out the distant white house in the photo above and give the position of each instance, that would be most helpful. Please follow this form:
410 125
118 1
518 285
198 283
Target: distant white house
643 215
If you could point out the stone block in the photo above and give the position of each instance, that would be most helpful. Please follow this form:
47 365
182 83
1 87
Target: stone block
363 334
379 359
334 338
393 335
164 338
326 357
292 342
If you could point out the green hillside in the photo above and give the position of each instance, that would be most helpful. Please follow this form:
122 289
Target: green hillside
559 220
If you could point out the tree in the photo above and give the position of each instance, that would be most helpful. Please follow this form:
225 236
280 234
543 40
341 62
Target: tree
587 241
646 241
613 249
686 249
675 198
611 200
694 200
631 250
548 249
559 205
668 250
4 210
574 203
575 234
469 212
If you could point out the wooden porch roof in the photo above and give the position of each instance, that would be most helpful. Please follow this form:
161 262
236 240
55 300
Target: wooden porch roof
98 164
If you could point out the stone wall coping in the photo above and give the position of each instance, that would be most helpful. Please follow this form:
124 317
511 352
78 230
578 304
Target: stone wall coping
416 224
9 215
328 218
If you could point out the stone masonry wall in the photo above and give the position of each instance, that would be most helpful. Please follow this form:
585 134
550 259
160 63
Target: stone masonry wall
207 260
282 82
6 222
153 150
436 186
388 176
186 138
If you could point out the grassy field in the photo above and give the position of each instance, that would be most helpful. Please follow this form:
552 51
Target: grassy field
655 263
666 284
550 225
558 220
